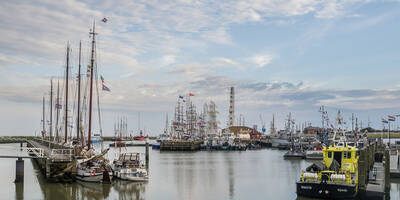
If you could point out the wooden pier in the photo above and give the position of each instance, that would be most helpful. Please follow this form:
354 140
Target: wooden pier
55 160
373 172
180 145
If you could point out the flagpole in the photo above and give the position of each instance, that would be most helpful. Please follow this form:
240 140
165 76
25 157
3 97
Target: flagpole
389 131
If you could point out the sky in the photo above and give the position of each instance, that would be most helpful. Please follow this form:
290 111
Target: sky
281 56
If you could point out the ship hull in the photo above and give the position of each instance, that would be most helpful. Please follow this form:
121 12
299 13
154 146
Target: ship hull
326 191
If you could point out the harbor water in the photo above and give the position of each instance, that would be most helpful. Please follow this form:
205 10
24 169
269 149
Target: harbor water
259 174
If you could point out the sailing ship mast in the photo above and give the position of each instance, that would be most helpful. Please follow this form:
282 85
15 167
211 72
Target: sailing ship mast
66 97
43 120
79 94
93 34
58 109
51 108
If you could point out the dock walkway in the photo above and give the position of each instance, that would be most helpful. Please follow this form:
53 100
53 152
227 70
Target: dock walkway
376 185
53 151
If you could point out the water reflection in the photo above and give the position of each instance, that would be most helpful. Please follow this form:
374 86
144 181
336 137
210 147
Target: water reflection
129 190
19 191
83 190
176 176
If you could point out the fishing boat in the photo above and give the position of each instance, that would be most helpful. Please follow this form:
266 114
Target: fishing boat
96 138
314 155
130 167
141 137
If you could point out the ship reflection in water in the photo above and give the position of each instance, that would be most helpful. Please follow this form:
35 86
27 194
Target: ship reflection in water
118 189
261 174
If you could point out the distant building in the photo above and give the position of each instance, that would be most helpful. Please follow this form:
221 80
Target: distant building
312 130
243 132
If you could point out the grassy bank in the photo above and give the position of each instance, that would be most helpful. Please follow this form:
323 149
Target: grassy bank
15 139
384 135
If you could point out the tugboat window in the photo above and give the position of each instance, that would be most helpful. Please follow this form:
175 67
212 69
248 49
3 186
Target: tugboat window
329 154
348 155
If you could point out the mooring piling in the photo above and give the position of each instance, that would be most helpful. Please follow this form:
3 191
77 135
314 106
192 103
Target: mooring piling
19 170
147 155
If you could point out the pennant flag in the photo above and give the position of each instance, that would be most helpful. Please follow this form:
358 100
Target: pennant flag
105 88
384 121
191 94
102 79
104 20
181 97
391 118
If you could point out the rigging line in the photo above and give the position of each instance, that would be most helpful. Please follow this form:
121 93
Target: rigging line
98 103
98 96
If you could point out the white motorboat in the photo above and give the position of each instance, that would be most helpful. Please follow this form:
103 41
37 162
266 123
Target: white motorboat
130 166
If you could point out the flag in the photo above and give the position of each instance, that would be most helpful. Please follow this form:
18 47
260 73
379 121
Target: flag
102 79
384 121
88 70
391 118
105 88
191 94
104 20
181 97
332 126
58 106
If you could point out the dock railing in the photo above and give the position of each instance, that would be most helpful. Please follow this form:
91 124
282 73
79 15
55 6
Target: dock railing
62 155
38 152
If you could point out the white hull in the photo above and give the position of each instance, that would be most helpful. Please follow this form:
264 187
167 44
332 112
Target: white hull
129 175
137 179
98 177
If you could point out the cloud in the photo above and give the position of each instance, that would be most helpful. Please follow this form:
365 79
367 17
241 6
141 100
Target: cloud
330 10
167 60
219 35
226 62
261 60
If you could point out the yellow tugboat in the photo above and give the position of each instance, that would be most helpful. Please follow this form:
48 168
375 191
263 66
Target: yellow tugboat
335 178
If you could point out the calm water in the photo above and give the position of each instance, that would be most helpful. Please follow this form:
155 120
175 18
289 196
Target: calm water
261 174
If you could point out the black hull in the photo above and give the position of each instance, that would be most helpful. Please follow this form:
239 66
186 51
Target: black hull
326 191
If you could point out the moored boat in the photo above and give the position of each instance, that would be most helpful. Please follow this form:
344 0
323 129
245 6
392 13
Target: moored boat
335 178
314 155
130 166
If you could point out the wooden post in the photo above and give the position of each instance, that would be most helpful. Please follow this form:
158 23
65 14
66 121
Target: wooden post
361 171
147 155
47 168
387 171
19 170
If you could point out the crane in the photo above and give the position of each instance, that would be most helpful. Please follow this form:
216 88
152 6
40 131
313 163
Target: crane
263 124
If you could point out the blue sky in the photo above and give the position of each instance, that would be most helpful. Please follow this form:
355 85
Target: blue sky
282 56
